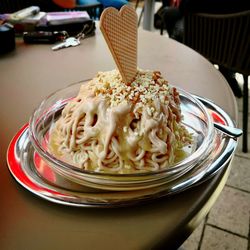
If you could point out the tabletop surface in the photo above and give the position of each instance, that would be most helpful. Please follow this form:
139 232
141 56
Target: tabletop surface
32 72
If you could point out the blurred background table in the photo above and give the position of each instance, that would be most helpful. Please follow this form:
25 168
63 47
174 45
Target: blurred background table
32 72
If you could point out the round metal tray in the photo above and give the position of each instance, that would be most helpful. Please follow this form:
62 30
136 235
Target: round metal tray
29 170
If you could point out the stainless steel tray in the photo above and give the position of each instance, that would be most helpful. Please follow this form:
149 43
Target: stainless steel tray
35 175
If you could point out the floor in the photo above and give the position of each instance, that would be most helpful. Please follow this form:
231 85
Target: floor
227 226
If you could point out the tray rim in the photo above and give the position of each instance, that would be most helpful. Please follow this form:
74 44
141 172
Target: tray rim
68 199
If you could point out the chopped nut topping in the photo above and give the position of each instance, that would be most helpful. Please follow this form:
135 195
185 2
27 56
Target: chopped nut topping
147 86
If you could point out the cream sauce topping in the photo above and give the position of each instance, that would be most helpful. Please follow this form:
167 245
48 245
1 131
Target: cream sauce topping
114 127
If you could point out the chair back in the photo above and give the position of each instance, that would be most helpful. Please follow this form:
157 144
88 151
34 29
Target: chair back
224 39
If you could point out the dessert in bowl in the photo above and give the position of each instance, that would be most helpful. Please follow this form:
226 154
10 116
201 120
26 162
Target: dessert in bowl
108 134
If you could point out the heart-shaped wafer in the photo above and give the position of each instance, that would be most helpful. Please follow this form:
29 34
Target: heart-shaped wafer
119 29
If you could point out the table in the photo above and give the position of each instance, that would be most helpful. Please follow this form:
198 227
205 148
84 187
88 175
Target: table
32 72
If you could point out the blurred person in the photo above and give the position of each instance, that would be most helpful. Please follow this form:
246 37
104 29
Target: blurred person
70 4
171 17
67 4
106 3
173 11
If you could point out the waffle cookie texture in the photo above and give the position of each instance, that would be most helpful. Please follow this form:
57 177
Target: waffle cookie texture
119 29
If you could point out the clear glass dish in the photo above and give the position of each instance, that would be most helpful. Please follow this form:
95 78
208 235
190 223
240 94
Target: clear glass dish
195 118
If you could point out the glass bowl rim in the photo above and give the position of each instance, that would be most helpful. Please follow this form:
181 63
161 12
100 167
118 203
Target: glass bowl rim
68 167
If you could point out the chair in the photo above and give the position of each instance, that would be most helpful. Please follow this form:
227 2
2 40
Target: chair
141 13
224 40
94 10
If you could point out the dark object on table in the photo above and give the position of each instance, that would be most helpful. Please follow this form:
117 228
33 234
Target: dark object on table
7 38
224 40
44 36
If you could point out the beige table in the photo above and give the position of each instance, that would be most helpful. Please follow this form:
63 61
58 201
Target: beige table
29 74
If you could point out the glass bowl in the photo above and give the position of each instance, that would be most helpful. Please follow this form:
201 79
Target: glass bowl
195 118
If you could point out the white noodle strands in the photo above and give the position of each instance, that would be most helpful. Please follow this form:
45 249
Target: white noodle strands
121 128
